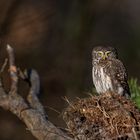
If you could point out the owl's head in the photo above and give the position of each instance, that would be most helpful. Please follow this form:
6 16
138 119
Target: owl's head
104 53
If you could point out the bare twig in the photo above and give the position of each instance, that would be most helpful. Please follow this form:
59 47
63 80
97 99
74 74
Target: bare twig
12 69
34 91
134 133
66 99
3 66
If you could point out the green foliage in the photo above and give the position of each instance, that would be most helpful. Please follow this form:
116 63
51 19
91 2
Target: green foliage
135 91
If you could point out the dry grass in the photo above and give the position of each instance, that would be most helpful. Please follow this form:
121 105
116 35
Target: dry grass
107 116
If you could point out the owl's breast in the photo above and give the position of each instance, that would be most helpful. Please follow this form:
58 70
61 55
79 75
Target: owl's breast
101 80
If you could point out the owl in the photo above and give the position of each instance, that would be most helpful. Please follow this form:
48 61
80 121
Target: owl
108 72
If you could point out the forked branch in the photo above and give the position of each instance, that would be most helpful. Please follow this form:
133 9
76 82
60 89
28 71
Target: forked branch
31 113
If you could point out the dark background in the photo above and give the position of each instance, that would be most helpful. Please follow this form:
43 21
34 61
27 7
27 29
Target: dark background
56 38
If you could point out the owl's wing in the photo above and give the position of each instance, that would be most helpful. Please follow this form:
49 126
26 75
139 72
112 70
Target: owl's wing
119 74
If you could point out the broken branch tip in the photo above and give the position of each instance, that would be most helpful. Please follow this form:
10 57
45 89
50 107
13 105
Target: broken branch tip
9 47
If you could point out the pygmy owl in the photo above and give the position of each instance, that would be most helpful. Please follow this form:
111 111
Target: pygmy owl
108 72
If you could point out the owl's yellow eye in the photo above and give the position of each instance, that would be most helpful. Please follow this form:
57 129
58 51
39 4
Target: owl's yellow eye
100 53
107 53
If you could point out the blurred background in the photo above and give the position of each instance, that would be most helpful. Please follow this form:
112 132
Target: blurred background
56 38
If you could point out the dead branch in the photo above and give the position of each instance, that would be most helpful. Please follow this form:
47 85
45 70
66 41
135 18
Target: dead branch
31 113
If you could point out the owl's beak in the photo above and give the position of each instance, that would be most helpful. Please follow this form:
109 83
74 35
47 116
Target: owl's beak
104 57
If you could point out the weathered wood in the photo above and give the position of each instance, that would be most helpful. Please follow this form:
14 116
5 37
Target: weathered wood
31 113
